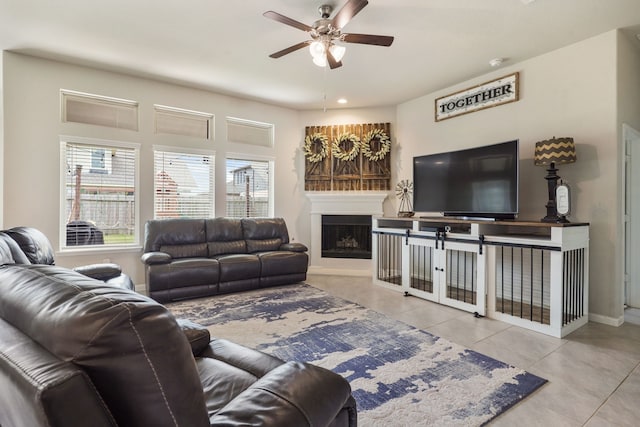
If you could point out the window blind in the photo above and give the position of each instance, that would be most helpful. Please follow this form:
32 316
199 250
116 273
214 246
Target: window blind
184 184
248 188
99 194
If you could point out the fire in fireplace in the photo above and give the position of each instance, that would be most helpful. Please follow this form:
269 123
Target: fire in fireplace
346 236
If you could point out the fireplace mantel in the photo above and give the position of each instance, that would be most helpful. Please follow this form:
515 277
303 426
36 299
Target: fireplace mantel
347 202
340 203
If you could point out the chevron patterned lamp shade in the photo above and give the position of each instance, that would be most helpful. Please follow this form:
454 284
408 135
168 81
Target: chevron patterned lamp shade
554 150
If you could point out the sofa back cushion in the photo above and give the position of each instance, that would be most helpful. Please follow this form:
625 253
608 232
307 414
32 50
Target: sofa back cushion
224 236
10 252
131 347
179 237
33 243
264 234
38 389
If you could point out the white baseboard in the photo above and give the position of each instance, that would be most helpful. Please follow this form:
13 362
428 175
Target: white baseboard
606 320
338 271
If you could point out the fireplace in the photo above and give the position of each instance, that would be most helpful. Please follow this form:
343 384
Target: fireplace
339 204
346 236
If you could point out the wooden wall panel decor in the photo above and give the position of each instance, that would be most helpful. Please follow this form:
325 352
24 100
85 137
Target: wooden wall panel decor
376 156
347 157
317 159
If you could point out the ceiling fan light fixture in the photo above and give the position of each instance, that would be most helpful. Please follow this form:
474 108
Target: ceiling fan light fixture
326 31
320 61
337 51
317 49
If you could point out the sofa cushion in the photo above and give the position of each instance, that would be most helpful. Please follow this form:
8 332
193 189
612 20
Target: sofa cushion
238 267
40 389
282 262
224 236
221 382
192 250
179 237
280 398
6 256
35 245
101 271
264 245
182 273
131 347
197 335
264 234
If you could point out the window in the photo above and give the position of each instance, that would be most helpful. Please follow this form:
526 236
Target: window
99 110
249 132
177 121
99 200
249 187
183 183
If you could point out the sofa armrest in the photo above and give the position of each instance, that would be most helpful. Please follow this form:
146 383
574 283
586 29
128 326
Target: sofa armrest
102 271
197 335
293 247
247 359
293 394
150 258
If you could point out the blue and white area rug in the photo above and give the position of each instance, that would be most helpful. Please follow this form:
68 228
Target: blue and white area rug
400 375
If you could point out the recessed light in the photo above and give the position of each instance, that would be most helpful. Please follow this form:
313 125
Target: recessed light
342 101
496 62
527 1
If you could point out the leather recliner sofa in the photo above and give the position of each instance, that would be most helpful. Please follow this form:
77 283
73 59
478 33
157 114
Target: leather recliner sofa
76 352
190 258
28 245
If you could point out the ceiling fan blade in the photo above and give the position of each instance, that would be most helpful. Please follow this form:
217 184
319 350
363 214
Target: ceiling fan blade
348 11
290 49
332 61
286 20
368 39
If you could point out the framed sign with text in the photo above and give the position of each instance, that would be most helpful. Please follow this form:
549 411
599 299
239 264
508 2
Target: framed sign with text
486 95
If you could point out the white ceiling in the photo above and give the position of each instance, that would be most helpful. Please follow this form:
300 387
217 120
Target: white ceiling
224 45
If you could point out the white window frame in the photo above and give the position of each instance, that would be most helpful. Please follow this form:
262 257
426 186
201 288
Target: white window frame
62 232
252 157
190 151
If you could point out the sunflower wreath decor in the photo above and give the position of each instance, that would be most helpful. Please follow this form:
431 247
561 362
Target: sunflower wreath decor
316 147
345 147
385 145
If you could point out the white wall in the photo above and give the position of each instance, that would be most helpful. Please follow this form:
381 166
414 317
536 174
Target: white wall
1 142
567 92
33 127
628 94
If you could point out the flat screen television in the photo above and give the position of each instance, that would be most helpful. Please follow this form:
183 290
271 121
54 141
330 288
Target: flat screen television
480 182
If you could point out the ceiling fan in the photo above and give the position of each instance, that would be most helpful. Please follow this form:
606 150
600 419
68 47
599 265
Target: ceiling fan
325 32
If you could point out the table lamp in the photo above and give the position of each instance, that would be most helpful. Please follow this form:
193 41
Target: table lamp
551 152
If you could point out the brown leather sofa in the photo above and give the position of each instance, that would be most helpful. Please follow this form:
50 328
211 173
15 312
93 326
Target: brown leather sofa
76 352
190 258
28 245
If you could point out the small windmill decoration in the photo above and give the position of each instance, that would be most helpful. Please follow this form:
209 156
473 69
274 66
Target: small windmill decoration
404 192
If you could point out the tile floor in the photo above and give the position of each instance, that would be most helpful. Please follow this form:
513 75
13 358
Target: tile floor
593 374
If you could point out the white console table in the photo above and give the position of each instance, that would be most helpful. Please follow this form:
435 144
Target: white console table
530 274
